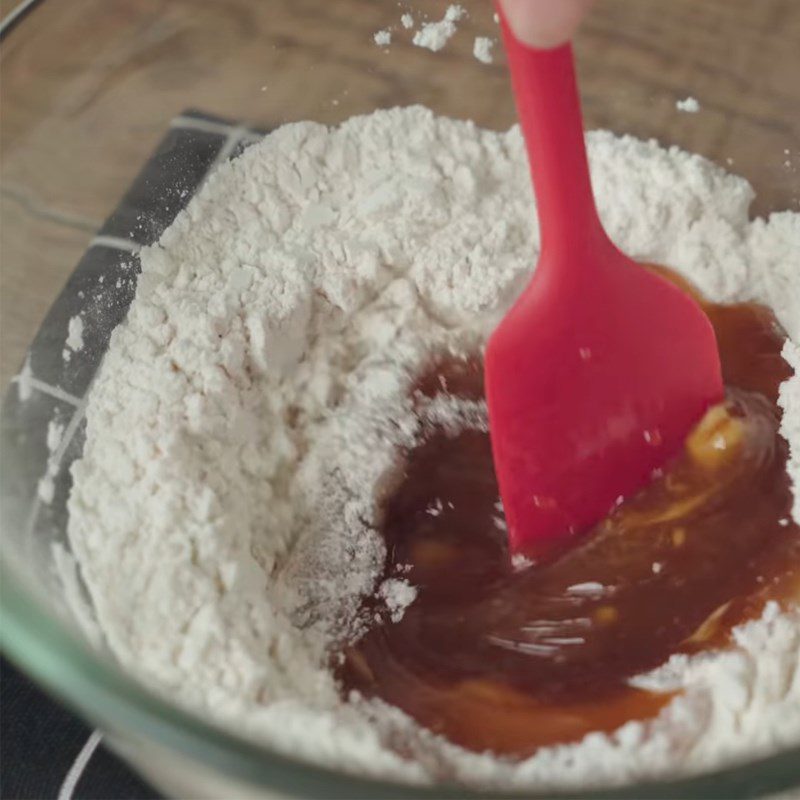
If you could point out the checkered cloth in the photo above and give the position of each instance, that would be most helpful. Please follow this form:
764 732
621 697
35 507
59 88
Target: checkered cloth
44 750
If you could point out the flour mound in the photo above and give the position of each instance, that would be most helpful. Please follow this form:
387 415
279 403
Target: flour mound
223 513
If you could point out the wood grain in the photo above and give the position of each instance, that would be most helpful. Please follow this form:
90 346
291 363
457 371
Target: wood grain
89 86
37 255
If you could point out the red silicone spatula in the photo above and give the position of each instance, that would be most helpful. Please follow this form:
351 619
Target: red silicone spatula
599 370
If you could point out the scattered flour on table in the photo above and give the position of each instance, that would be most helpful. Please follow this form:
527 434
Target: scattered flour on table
75 333
689 104
74 340
255 400
407 21
383 37
435 35
482 49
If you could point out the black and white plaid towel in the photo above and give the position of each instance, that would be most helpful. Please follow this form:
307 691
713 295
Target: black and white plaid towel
45 751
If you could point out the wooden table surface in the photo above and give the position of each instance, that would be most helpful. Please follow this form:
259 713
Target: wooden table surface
89 86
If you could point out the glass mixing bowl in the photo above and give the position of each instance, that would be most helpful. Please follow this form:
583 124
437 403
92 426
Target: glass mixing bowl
90 87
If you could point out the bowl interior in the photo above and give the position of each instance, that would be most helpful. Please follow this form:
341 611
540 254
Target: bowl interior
92 90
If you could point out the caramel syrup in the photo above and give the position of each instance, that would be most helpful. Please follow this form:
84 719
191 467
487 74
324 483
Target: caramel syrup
509 658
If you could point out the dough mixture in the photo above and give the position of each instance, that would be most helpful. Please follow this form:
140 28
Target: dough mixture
258 400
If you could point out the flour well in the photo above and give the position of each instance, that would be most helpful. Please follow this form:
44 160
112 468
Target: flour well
223 513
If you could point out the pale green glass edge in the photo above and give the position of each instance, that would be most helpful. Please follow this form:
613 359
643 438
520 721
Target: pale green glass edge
48 652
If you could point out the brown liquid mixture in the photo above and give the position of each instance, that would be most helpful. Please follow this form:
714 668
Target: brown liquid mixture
512 659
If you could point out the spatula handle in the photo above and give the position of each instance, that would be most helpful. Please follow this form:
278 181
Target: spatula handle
548 105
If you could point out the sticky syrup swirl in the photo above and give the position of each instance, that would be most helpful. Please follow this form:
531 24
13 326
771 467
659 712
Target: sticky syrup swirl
511 657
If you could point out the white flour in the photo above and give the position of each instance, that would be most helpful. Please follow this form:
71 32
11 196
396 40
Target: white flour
689 104
435 35
74 340
482 49
75 333
222 514
383 38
